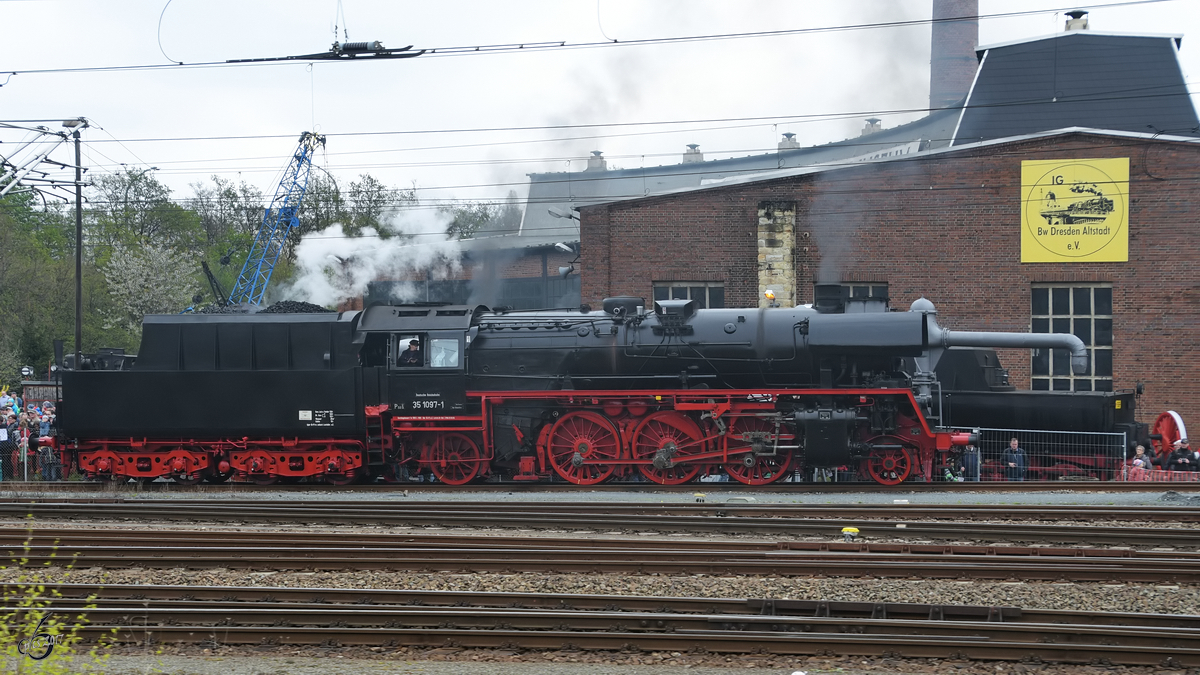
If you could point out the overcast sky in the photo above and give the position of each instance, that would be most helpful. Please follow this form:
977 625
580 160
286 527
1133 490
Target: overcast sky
414 110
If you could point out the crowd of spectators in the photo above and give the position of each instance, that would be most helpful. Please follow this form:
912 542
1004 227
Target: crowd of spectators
21 423
1181 458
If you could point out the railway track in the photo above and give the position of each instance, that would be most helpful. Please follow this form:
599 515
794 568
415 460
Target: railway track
278 616
514 486
738 507
874 523
264 551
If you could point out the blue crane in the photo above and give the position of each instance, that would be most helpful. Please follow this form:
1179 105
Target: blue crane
278 220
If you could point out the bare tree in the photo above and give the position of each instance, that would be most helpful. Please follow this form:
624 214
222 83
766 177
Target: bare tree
226 208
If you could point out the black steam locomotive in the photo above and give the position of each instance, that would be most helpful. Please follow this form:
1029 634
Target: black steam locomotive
668 392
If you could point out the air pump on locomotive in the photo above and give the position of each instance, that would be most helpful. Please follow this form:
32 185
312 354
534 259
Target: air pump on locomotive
667 391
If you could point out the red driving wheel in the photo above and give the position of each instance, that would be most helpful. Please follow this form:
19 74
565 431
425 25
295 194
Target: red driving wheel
889 465
750 468
579 443
672 436
454 458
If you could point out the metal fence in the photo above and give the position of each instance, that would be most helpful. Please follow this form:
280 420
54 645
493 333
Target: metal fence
1049 455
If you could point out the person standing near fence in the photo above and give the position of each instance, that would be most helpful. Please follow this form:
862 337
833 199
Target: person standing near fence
1181 458
1014 461
970 463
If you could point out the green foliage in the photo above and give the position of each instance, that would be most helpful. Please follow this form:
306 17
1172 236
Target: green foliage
29 623
37 288
367 204
133 207
485 219
142 253
227 210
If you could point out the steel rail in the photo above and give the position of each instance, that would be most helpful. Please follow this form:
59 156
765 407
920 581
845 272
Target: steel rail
43 534
522 486
729 626
632 560
16 537
1172 513
543 516
140 595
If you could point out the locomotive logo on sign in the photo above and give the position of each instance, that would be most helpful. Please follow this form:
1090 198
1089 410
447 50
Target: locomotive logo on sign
1075 210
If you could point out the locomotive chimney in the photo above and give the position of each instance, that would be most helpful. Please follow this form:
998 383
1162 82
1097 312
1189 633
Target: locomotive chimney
693 154
830 298
789 142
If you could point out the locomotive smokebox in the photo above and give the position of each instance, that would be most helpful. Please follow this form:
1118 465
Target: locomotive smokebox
830 298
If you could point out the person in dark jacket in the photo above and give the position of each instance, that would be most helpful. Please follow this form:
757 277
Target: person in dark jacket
970 463
1015 461
1181 458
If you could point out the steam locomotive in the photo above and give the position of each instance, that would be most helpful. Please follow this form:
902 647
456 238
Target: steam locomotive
669 393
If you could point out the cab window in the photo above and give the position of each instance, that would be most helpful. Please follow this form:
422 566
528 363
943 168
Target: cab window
410 353
443 353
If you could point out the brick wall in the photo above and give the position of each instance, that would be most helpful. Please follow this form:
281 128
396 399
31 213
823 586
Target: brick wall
946 227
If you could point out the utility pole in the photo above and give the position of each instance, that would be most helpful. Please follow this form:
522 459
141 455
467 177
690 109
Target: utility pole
76 125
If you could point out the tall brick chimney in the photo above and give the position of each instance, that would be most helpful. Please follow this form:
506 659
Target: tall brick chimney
952 54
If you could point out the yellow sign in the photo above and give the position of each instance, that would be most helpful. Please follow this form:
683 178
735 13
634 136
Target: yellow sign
1075 210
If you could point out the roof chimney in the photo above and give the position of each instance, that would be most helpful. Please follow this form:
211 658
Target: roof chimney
596 162
693 154
789 142
871 126
1077 20
952 61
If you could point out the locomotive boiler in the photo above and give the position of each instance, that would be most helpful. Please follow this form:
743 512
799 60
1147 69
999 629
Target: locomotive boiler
667 392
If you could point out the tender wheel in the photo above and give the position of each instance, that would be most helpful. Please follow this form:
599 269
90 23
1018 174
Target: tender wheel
188 480
667 438
454 458
218 477
889 466
579 442
749 468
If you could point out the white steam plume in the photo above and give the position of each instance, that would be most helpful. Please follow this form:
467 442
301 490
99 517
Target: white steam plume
332 267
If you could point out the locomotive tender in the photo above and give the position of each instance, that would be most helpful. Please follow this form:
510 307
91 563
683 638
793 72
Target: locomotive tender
670 392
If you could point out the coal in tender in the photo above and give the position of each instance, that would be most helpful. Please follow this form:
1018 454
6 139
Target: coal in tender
295 307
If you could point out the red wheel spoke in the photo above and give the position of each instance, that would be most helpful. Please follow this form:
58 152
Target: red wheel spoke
890 466
579 443
453 458
1167 429
750 468
671 437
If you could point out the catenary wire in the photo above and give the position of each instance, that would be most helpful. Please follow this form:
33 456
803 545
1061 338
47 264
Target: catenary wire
479 50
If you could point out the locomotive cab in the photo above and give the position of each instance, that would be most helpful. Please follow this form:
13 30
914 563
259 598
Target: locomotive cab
423 349
426 373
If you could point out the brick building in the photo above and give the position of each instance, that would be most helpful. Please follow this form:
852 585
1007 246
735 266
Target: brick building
1055 196
944 225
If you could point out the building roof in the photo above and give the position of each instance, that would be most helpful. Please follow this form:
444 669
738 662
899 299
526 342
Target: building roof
563 191
1078 78
1066 82
778 174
